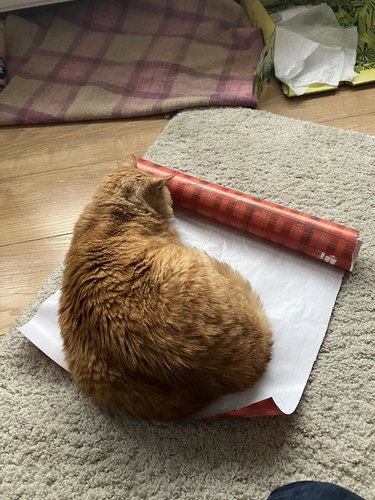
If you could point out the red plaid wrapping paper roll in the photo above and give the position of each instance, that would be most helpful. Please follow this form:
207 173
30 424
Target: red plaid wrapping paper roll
318 238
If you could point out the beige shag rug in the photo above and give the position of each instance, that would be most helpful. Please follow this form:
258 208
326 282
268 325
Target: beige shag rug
55 444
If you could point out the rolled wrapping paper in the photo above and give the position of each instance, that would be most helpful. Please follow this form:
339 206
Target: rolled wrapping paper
318 238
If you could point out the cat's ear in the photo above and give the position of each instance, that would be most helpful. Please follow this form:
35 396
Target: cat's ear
160 182
154 186
130 162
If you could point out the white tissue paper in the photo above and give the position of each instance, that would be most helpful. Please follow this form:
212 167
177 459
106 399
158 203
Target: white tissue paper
311 47
298 294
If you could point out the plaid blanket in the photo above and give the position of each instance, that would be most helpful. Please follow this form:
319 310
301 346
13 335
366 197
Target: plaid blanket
109 59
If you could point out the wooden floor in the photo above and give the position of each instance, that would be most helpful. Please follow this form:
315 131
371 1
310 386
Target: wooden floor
48 173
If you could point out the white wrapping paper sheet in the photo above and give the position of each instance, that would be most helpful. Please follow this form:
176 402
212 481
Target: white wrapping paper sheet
312 47
298 294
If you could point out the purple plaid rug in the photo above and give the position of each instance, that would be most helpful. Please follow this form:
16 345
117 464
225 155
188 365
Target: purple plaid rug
100 59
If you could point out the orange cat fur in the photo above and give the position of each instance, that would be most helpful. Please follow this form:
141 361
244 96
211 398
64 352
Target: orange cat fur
150 326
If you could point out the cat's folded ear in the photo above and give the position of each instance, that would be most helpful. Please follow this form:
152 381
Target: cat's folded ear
129 161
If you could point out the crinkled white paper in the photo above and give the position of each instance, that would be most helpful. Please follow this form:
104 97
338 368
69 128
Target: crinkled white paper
311 47
298 294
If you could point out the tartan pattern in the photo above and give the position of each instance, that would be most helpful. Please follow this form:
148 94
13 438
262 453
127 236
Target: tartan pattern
318 238
95 60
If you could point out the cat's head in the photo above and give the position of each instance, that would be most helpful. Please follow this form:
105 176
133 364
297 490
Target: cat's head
129 186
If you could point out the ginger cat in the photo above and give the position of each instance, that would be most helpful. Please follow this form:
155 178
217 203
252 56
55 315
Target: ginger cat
150 326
